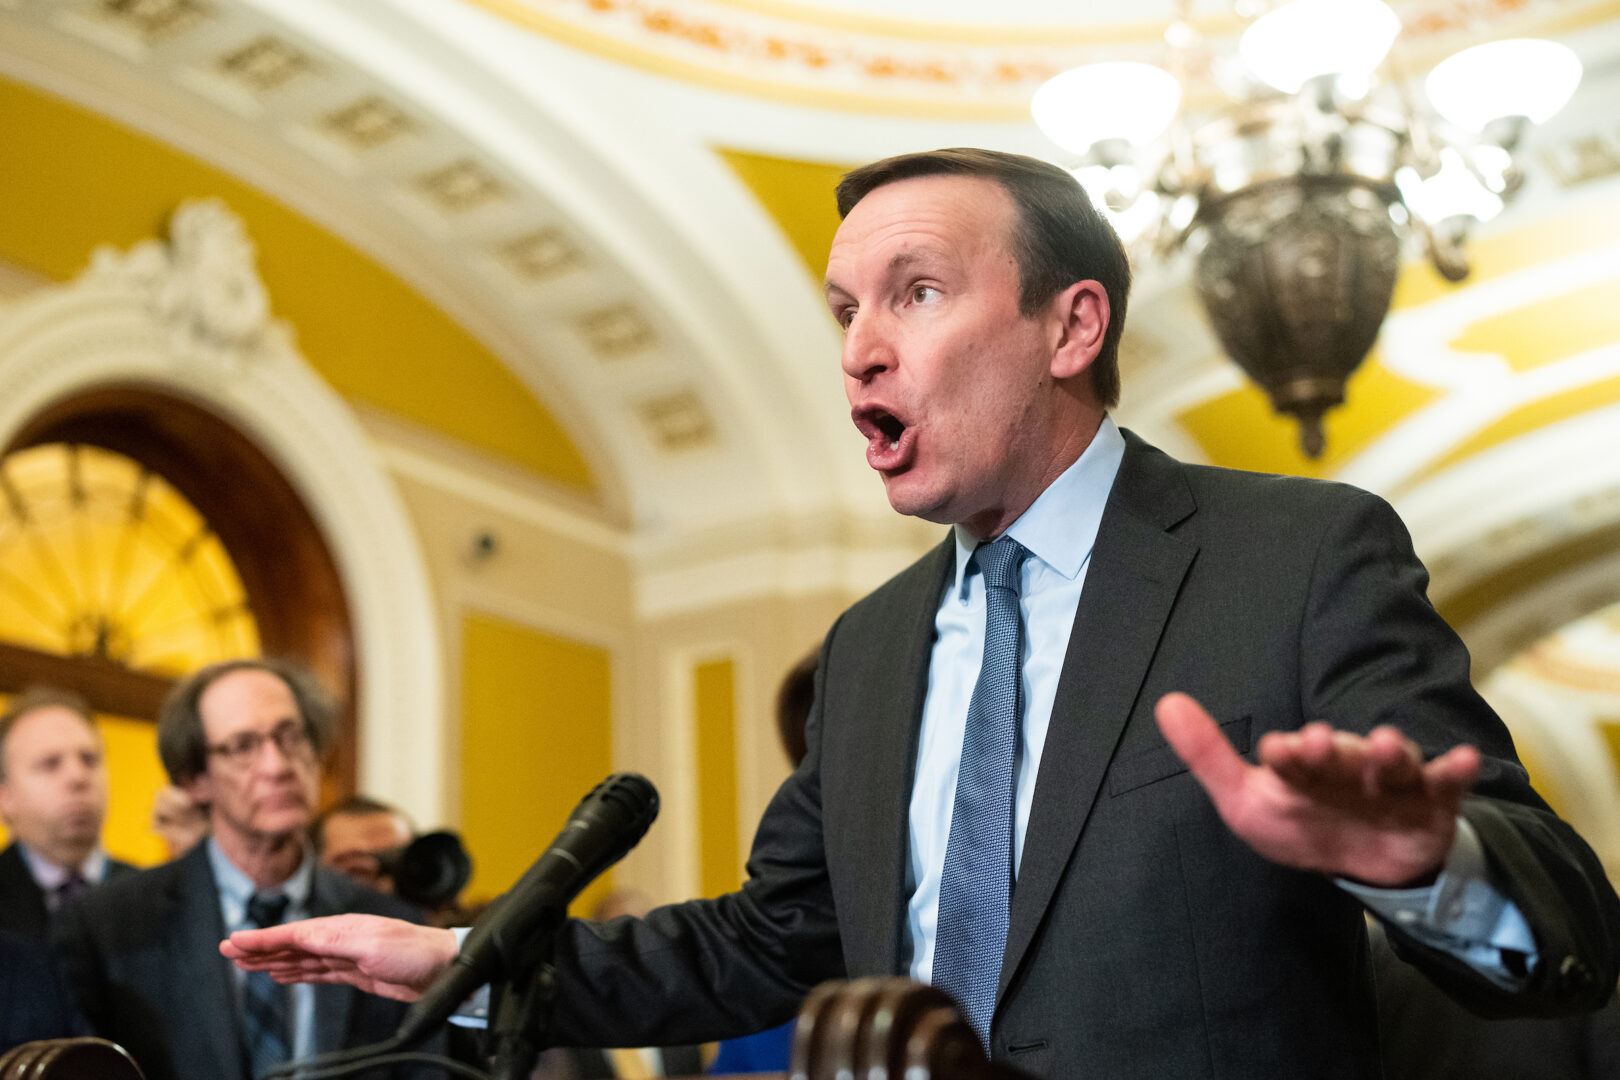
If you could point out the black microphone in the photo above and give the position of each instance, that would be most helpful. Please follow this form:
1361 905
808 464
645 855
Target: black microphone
606 824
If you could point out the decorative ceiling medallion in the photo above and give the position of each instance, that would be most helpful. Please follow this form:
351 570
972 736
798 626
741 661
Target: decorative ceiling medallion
155 19
461 186
616 332
857 61
265 63
368 123
540 255
678 421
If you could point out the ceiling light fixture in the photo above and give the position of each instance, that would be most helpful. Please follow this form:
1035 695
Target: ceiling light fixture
1297 193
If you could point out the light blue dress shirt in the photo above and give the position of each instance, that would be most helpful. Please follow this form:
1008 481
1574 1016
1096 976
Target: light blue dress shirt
1461 913
235 889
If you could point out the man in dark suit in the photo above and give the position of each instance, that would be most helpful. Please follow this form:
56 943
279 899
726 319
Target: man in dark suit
1008 711
244 739
53 800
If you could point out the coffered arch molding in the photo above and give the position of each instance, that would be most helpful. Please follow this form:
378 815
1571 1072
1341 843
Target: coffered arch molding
1524 538
137 320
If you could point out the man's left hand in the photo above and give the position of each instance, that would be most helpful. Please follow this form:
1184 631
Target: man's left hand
1364 807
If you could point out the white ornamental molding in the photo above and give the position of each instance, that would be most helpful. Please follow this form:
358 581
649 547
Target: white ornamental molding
202 286
191 317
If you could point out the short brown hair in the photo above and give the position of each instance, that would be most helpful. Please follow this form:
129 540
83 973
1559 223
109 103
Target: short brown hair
40 697
182 743
1060 237
353 805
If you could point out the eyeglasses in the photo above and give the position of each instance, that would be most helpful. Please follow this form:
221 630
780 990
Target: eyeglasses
242 750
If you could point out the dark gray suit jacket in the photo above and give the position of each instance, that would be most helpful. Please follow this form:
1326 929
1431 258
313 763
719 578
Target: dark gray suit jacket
22 901
142 954
1145 939
34 1001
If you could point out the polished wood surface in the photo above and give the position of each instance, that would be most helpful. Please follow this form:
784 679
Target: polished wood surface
887 1029
68 1059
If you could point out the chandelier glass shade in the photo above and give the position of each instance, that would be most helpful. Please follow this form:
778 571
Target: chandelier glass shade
1297 193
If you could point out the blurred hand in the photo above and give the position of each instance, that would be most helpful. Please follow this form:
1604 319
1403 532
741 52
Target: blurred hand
390 957
1360 807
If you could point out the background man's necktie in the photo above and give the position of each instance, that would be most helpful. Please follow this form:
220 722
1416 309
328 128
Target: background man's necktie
265 1028
976 885
74 885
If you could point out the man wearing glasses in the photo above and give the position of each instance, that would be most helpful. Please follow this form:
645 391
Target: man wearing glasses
245 740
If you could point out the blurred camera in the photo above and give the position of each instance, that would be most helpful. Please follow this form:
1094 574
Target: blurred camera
429 871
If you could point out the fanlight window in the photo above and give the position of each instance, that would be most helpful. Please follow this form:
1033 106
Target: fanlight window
102 558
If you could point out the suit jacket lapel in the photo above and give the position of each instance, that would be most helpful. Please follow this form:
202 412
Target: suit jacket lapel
886 744
209 1026
1136 570
332 1002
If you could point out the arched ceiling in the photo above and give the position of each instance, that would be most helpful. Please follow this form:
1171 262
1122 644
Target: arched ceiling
625 202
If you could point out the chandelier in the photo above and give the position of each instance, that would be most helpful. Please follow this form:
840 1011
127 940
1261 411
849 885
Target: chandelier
1297 192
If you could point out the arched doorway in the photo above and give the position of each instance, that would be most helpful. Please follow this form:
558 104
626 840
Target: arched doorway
288 581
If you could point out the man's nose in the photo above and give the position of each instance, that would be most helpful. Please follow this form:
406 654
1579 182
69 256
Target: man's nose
272 759
868 349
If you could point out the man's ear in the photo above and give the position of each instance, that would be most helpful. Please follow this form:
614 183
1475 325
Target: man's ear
1081 321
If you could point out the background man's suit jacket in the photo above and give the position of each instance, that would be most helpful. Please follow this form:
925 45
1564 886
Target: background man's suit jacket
1145 939
22 901
34 1002
142 954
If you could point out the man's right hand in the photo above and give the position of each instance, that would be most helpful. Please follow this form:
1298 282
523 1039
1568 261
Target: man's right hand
390 957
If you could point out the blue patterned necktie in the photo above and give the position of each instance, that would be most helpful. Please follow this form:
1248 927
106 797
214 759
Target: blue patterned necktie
264 1001
976 887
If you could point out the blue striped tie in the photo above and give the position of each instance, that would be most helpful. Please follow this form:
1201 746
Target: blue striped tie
264 1001
976 885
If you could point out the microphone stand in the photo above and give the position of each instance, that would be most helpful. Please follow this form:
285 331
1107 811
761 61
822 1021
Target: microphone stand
525 1006
524 1011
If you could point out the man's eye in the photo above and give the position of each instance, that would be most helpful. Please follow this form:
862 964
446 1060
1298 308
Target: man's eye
922 294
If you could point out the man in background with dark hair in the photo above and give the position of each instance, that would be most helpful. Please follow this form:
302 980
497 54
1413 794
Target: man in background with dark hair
53 799
244 739
1017 708
352 832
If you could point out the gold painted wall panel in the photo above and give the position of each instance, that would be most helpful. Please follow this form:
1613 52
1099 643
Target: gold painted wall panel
714 693
537 733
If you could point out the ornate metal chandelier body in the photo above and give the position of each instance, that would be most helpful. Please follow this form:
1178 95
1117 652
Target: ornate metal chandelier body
1296 199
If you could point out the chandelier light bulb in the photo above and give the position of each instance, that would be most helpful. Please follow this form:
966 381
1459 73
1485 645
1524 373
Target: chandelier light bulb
1453 191
1520 77
1305 38
1118 100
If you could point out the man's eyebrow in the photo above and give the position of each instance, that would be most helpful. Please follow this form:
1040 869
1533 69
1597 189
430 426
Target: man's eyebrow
899 262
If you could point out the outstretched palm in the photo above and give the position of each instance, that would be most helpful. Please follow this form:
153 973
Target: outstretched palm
1362 807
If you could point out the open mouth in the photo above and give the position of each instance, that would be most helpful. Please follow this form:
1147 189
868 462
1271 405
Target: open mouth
890 439
881 427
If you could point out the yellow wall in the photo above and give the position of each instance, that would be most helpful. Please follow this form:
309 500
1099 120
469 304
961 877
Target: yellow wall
71 180
714 692
537 733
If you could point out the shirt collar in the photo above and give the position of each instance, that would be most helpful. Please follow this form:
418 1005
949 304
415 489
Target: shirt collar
237 888
1060 526
48 876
